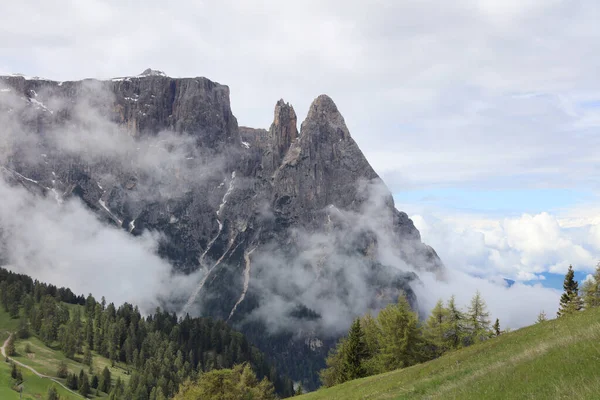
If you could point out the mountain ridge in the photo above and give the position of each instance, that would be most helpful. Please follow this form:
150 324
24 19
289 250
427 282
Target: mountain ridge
285 229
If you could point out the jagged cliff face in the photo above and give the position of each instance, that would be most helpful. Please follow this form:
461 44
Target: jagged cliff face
293 232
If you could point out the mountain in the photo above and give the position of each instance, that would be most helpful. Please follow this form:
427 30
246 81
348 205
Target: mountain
288 234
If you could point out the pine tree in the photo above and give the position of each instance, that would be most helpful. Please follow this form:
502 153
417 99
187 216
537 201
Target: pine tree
84 384
496 327
591 289
95 381
570 301
62 370
105 383
355 353
52 393
87 356
10 346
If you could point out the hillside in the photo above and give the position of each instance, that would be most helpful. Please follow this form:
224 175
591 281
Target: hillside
552 360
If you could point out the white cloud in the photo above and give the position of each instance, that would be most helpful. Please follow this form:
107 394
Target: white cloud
68 246
519 248
434 92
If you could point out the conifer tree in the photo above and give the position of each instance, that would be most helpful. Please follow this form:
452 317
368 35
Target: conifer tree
84 384
454 328
591 289
401 337
87 356
496 327
570 301
541 317
355 352
478 318
62 370
52 393
436 329
10 346
332 374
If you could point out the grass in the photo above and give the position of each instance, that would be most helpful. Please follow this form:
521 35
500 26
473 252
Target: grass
557 359
7 325
45 360
34 387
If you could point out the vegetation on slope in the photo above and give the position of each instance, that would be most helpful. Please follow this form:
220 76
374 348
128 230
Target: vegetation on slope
157 353
550 360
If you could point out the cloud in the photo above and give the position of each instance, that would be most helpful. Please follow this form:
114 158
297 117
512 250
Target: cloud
515 306
473 93
68 246
519 248
481 251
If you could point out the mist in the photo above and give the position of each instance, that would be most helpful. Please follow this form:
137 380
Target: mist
62 241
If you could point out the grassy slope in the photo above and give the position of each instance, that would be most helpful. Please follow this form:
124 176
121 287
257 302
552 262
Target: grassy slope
553 360
33 386
44 360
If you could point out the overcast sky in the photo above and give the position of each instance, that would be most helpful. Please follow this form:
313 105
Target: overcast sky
481 116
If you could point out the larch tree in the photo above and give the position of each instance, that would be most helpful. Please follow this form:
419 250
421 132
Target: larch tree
591 289
478 319
454 328
401 337
435 329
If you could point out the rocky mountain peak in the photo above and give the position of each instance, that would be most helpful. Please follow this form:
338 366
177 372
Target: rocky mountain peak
152 72
283 132
282 229
324 118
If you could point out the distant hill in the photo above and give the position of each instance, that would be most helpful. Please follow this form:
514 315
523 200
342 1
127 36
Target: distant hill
556 359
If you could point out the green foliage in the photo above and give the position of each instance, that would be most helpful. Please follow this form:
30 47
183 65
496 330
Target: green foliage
227 384
478 319
455 325
15 373
401 339
23 331
355 352
62 371
591 290
435 329
570 301
84 384
87 356
541 317
496 327
160 351
52 393
557 359
393 340
104 383
10 346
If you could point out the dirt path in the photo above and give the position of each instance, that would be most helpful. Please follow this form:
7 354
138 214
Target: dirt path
3 349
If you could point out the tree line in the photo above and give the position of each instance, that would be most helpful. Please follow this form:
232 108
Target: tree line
395 338
574 299
160 351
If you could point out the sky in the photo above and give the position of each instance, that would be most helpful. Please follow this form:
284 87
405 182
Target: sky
480 116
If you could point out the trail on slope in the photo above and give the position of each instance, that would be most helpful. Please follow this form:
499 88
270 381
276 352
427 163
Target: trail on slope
39 375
